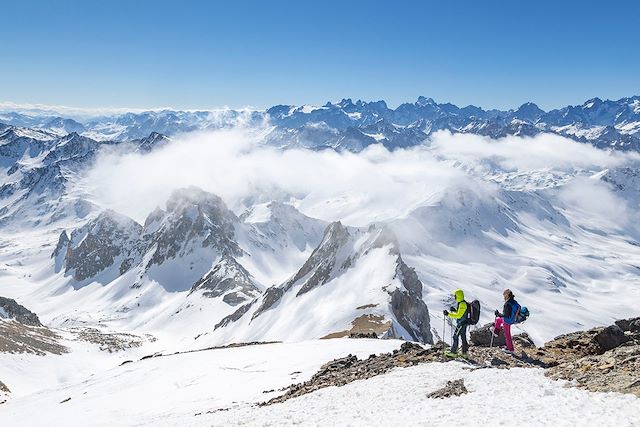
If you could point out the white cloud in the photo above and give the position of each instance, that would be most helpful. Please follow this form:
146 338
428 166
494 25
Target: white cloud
543 151
373 185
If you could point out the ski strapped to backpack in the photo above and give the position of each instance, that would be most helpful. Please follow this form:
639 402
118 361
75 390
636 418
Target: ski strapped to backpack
473 312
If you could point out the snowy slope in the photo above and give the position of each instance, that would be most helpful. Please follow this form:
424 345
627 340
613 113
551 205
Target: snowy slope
222 387
149 391
355 281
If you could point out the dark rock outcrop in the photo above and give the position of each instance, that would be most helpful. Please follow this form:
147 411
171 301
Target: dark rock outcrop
10 309
629 325
610 338
192 215
235 316
108 239
271 296
322 261
408 306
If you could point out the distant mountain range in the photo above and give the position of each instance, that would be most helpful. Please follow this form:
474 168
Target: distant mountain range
267 271
352 126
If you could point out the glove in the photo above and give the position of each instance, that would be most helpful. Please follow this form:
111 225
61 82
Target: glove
497 313
445 312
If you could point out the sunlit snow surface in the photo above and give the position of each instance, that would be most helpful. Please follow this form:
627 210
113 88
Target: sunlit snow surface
222 388
554 220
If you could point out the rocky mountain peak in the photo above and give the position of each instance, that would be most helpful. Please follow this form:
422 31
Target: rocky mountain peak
422 101
229 279
109 240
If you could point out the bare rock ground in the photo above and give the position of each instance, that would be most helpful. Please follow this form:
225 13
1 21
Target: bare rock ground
16 337
600 359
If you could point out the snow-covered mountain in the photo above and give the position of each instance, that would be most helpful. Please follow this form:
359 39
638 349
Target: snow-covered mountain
310 264
354 282
194 252
199 262
348 125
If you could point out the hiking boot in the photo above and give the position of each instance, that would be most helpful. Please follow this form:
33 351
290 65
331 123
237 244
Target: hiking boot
464 354
504 350
450 354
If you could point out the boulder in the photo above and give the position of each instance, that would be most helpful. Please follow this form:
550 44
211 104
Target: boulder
610 338
482 337
452 388
629 325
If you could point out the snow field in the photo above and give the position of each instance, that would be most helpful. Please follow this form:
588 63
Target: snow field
520 396
173 387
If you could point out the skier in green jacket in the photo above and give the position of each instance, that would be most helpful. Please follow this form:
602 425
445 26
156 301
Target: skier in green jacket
460 314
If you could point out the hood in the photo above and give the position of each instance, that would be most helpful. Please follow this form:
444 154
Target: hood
459 295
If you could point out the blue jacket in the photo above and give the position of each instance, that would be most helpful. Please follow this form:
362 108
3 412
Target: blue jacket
510 311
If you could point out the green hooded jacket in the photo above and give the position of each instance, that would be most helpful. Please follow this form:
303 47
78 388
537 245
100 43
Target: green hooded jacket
461 313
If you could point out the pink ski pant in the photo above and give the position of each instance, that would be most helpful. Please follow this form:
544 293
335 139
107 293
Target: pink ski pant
500 323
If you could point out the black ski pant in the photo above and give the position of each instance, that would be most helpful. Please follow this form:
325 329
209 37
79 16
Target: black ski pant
460 332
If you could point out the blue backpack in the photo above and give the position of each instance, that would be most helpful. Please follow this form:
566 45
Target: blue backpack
522 314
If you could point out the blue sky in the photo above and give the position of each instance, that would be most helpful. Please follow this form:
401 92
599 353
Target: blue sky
203 54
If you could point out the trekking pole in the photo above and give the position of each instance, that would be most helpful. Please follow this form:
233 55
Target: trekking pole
451 328
443 326
491 345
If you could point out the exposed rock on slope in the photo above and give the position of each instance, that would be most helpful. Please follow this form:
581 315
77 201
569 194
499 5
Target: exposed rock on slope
452 388
22 332
196 245
616 369
18 338
10 309
356 278
600 359
228 279
110 240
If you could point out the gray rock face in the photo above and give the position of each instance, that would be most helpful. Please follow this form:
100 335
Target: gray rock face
271 296
10 309
629 325
195 222
610 338
408 306
230 279
107 240
322 261
600 359
235 316
151 142
339 251
315 272
192 216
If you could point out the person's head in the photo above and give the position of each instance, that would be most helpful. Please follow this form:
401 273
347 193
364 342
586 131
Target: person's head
507 294
459 295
